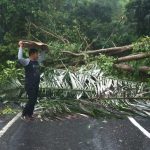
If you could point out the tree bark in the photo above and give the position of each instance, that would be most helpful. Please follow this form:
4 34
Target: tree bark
96 52
113 49
124 67
144 68
72 54
131 69
133 57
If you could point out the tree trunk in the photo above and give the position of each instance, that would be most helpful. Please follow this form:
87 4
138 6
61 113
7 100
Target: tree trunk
144 69
113 49
96 52
133 57
130 69
124 67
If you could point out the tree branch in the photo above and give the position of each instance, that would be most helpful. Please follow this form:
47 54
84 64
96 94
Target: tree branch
64 40
106 50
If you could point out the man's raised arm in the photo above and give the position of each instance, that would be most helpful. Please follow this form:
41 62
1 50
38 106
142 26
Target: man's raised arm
22 60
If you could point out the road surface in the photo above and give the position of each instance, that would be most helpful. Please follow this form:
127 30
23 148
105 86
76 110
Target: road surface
79 133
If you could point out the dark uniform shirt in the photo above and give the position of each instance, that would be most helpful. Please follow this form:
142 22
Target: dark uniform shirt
32 73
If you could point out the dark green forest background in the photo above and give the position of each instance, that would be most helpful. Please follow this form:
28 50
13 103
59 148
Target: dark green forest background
92 19
72 25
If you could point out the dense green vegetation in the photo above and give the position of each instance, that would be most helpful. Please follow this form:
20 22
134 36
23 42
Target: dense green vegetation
72 25
76 26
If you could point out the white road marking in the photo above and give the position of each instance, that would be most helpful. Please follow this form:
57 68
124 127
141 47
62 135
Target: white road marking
135 123
9 124
83 115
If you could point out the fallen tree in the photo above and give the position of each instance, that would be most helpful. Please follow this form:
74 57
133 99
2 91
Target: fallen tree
106 50
133 57
118 63
125 59
126 67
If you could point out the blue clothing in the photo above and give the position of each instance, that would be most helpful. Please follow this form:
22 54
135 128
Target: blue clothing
32 73
32 80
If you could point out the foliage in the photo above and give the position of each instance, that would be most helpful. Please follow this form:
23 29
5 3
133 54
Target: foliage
9 72
86 91
142 45
15 25
8 111
56 48
95 108
105 63
74 25
77 26
10 81
139 16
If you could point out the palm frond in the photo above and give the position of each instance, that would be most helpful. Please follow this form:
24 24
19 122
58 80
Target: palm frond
85 91
100 95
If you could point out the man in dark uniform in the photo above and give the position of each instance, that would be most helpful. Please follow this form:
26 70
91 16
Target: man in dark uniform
32 78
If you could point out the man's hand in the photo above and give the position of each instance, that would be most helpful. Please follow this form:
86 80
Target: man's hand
20 44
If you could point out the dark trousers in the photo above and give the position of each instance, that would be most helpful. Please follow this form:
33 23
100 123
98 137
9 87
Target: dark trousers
32 93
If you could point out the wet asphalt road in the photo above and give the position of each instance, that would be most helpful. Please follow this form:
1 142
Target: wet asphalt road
76 134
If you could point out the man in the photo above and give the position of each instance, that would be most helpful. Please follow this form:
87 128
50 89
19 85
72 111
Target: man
32 78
